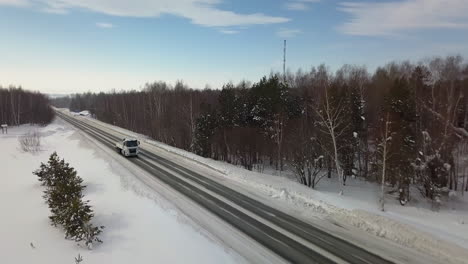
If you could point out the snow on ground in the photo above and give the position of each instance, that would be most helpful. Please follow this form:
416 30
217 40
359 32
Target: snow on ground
140 225
441 234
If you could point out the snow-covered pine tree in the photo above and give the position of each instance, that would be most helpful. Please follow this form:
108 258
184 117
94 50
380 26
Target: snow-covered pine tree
431 171
204 131
42 173
76 214
78 259
61 195
272 106
90 234
64 195
395 139
45 172
65 185
227 116
78 225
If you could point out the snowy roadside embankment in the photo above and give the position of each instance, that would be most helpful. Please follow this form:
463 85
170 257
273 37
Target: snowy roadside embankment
141 226
442 235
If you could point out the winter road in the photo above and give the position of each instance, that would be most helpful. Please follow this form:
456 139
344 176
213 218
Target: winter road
290 238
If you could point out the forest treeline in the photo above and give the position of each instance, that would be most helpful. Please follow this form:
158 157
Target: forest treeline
404 124
18 106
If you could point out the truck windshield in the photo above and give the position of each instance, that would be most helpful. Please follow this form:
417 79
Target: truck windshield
133 143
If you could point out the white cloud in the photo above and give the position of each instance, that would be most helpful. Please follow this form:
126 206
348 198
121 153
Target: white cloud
14 2
200 12
54 7
390 18
104 25
288 32
228 31
55 11
299 5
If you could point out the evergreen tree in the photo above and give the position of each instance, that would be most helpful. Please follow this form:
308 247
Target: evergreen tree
228 116
399 109
271 107
64 196
205 128
68 186
45 173
78 222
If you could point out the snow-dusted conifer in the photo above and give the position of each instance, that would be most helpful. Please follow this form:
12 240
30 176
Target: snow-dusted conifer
64 195
45 172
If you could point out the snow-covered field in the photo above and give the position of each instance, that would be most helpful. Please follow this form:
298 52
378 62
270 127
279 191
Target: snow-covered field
442 235
140 225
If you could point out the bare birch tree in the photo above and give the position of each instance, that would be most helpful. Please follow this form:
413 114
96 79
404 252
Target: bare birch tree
332 123
385 141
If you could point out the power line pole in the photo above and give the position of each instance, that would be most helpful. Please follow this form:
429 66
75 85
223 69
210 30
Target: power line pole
284 62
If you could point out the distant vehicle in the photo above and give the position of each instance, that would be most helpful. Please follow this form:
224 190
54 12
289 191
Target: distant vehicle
82 113
128 147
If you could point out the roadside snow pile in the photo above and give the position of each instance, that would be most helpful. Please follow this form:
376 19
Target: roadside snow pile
440 239
141 226
282 195
402 234
373 223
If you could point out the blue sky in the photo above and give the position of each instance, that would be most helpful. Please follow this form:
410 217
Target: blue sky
63 46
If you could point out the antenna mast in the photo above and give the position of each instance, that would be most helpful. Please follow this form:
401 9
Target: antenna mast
284 62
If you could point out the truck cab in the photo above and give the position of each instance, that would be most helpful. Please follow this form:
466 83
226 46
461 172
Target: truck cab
128 147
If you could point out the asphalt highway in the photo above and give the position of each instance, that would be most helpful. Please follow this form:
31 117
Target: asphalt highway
290 238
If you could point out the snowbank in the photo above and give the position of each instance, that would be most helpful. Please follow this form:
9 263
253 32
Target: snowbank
140 225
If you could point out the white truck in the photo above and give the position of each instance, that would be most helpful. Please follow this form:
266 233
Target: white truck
128 147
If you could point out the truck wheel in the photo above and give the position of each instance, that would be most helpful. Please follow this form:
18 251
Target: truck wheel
122 152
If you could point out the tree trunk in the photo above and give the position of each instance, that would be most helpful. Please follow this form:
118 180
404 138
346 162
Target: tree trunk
465 181
13 113
310 183
228 150
384 164
339 171
19 109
